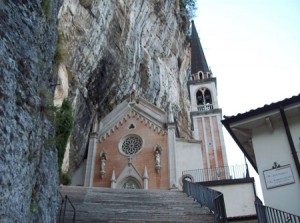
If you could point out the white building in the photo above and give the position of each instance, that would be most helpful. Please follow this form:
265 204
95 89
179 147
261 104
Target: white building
270 138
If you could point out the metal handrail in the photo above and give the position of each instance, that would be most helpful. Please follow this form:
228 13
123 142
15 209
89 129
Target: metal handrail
63 207
210 198
218 173
74 210
267 214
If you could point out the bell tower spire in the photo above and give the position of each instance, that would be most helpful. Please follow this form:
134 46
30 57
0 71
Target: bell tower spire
198 60
205 113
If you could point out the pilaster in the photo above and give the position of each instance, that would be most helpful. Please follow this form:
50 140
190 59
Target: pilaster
172 155
89 174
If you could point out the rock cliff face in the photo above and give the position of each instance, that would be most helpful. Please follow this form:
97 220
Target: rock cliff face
104 49
111 46
28 157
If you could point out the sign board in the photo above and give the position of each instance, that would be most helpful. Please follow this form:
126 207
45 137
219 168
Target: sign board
279 176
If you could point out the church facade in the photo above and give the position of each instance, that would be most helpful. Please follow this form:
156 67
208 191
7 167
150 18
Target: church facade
135 146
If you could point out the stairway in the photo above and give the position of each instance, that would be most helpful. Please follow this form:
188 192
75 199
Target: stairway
133 205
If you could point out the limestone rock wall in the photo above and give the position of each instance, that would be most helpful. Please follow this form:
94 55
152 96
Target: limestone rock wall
28 157
110 46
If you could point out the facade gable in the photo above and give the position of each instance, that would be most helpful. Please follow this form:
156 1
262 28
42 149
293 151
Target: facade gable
142 110
129 137
117 160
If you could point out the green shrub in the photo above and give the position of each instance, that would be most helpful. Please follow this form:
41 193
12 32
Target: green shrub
65 179
64 125
46 6
34 201
59 55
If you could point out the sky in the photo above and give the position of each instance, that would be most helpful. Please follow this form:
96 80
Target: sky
253 49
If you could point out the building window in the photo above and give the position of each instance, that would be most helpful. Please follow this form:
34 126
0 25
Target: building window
207 97
187 178
132 126
204 99
200 75
199 97
131 145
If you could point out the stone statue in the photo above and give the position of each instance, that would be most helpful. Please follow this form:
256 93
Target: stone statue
157 158
103 164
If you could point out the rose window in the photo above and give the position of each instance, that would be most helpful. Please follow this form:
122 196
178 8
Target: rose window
132 145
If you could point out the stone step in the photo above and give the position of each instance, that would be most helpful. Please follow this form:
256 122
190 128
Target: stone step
117 195
121 205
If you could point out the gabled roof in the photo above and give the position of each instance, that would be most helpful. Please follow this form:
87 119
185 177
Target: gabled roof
240 125
140 108
198 60
266 108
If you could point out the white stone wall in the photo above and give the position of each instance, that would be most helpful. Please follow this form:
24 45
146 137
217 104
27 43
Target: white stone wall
270 147
239 199
188 157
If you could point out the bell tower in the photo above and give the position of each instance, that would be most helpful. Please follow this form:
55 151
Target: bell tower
205 113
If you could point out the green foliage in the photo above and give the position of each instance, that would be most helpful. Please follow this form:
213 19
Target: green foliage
65 179
59 54
64 125
46 6
34 201
189 6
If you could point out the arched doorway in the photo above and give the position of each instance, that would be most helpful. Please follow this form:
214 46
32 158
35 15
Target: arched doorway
130 183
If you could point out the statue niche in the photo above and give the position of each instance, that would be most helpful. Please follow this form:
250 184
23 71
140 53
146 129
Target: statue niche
157 153
102 163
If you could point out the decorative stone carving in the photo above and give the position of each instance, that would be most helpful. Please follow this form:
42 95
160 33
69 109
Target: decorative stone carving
129 178
157 152
145 178
157 158
113 180
102 163
131 145
130 184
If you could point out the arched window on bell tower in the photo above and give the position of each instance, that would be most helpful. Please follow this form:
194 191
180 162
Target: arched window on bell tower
199 98
200 75
207 97
204 99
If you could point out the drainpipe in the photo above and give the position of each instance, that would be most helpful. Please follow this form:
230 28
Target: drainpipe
289 136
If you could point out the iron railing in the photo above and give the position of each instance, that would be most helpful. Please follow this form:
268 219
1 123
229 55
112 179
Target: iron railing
205 107
201 108
218 173
212 199
63 207
267 214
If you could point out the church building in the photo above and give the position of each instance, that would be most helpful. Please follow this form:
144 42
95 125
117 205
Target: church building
135 145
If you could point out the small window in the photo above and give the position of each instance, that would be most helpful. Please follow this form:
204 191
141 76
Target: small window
187 178
200 74
131 126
